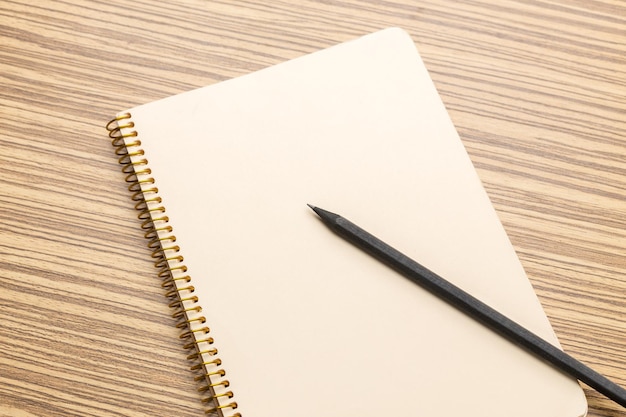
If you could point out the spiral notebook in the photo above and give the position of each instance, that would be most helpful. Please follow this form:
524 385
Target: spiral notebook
280 317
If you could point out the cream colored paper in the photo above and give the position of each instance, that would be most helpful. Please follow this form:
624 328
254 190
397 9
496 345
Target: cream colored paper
305 324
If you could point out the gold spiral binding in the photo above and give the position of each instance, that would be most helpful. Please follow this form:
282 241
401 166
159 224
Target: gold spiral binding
171 268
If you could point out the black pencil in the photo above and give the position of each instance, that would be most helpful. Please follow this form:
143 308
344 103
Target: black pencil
471 305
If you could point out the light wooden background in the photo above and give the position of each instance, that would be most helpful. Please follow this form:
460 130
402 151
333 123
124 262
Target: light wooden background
536 88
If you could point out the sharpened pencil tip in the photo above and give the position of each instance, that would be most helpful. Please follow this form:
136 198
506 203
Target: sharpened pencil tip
326 216
317 210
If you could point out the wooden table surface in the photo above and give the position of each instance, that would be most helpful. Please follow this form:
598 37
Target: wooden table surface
536 89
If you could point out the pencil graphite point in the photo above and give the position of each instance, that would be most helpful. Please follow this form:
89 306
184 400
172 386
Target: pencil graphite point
320 212
326 216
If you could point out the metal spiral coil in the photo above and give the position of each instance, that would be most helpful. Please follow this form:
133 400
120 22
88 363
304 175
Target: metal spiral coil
171 268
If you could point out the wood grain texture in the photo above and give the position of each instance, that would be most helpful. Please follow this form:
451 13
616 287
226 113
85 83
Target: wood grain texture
536 88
